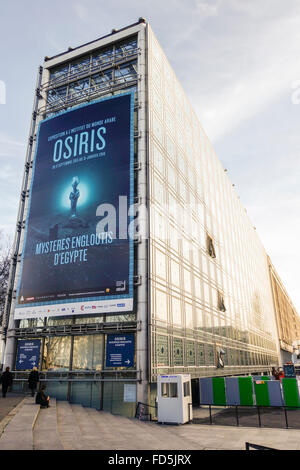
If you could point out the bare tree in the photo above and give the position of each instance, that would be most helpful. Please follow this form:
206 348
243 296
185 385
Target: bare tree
5 259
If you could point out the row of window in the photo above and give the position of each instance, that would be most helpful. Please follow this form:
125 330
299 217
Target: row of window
204 354
92 74
83 319
97 82
102 57
88 353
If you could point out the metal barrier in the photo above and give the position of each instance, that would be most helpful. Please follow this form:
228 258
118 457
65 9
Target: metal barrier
142 411
81 376
237 415
62 382
257 447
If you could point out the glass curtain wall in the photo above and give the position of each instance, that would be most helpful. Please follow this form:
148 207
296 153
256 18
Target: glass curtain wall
210 286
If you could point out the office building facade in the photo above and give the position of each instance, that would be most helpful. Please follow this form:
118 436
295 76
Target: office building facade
201 290
287 318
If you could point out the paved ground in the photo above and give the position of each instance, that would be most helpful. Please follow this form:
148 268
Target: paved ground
72 427
248 416
8 403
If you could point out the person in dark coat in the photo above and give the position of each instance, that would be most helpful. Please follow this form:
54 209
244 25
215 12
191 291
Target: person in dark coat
41 398
33 380
275 373
6 381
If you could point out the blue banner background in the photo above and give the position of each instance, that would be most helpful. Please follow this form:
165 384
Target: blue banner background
120 350
102 180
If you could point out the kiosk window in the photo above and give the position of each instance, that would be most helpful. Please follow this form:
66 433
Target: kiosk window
169 390
186 389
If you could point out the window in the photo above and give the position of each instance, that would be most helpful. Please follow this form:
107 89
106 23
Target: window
81 65
88 352
221 304
126 49
210 247
169 390
126 72
79 88
102 57
56 355
101 80
186 389
58 72
57 94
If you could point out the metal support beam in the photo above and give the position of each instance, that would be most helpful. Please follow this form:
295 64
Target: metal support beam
8 325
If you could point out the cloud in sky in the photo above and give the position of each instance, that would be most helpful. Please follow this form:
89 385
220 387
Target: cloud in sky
236 60
241 68
12 156
11 147
82 12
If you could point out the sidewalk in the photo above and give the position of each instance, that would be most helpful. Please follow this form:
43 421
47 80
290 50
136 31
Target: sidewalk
9 403
73 427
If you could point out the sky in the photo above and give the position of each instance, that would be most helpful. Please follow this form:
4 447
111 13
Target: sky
238 62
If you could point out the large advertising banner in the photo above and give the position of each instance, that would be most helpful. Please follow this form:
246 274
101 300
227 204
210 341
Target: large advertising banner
78 254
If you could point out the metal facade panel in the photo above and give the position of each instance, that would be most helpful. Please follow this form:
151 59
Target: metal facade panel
262 393
206 391
291 392
246 390
219 391
232 391
275 393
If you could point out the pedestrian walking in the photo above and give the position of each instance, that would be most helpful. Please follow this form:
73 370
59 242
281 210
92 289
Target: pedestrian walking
6 380
33 380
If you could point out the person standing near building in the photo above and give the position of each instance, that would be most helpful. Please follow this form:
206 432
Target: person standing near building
33 380
275 373
6 380
281 374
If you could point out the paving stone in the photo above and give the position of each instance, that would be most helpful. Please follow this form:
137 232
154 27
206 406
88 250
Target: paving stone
45 435
18 434
73 427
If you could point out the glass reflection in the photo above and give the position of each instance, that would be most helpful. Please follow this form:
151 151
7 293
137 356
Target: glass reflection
121 318
31 323
88 352
83 320
56 355
59 321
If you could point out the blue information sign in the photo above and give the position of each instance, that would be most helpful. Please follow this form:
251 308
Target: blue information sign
28 354
120 350
289 371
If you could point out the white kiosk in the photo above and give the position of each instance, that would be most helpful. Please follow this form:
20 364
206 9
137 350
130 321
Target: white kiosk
174 399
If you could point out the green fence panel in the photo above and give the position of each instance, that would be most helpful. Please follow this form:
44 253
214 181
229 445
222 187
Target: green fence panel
265 377
262 393
219 390
246 390
290 392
